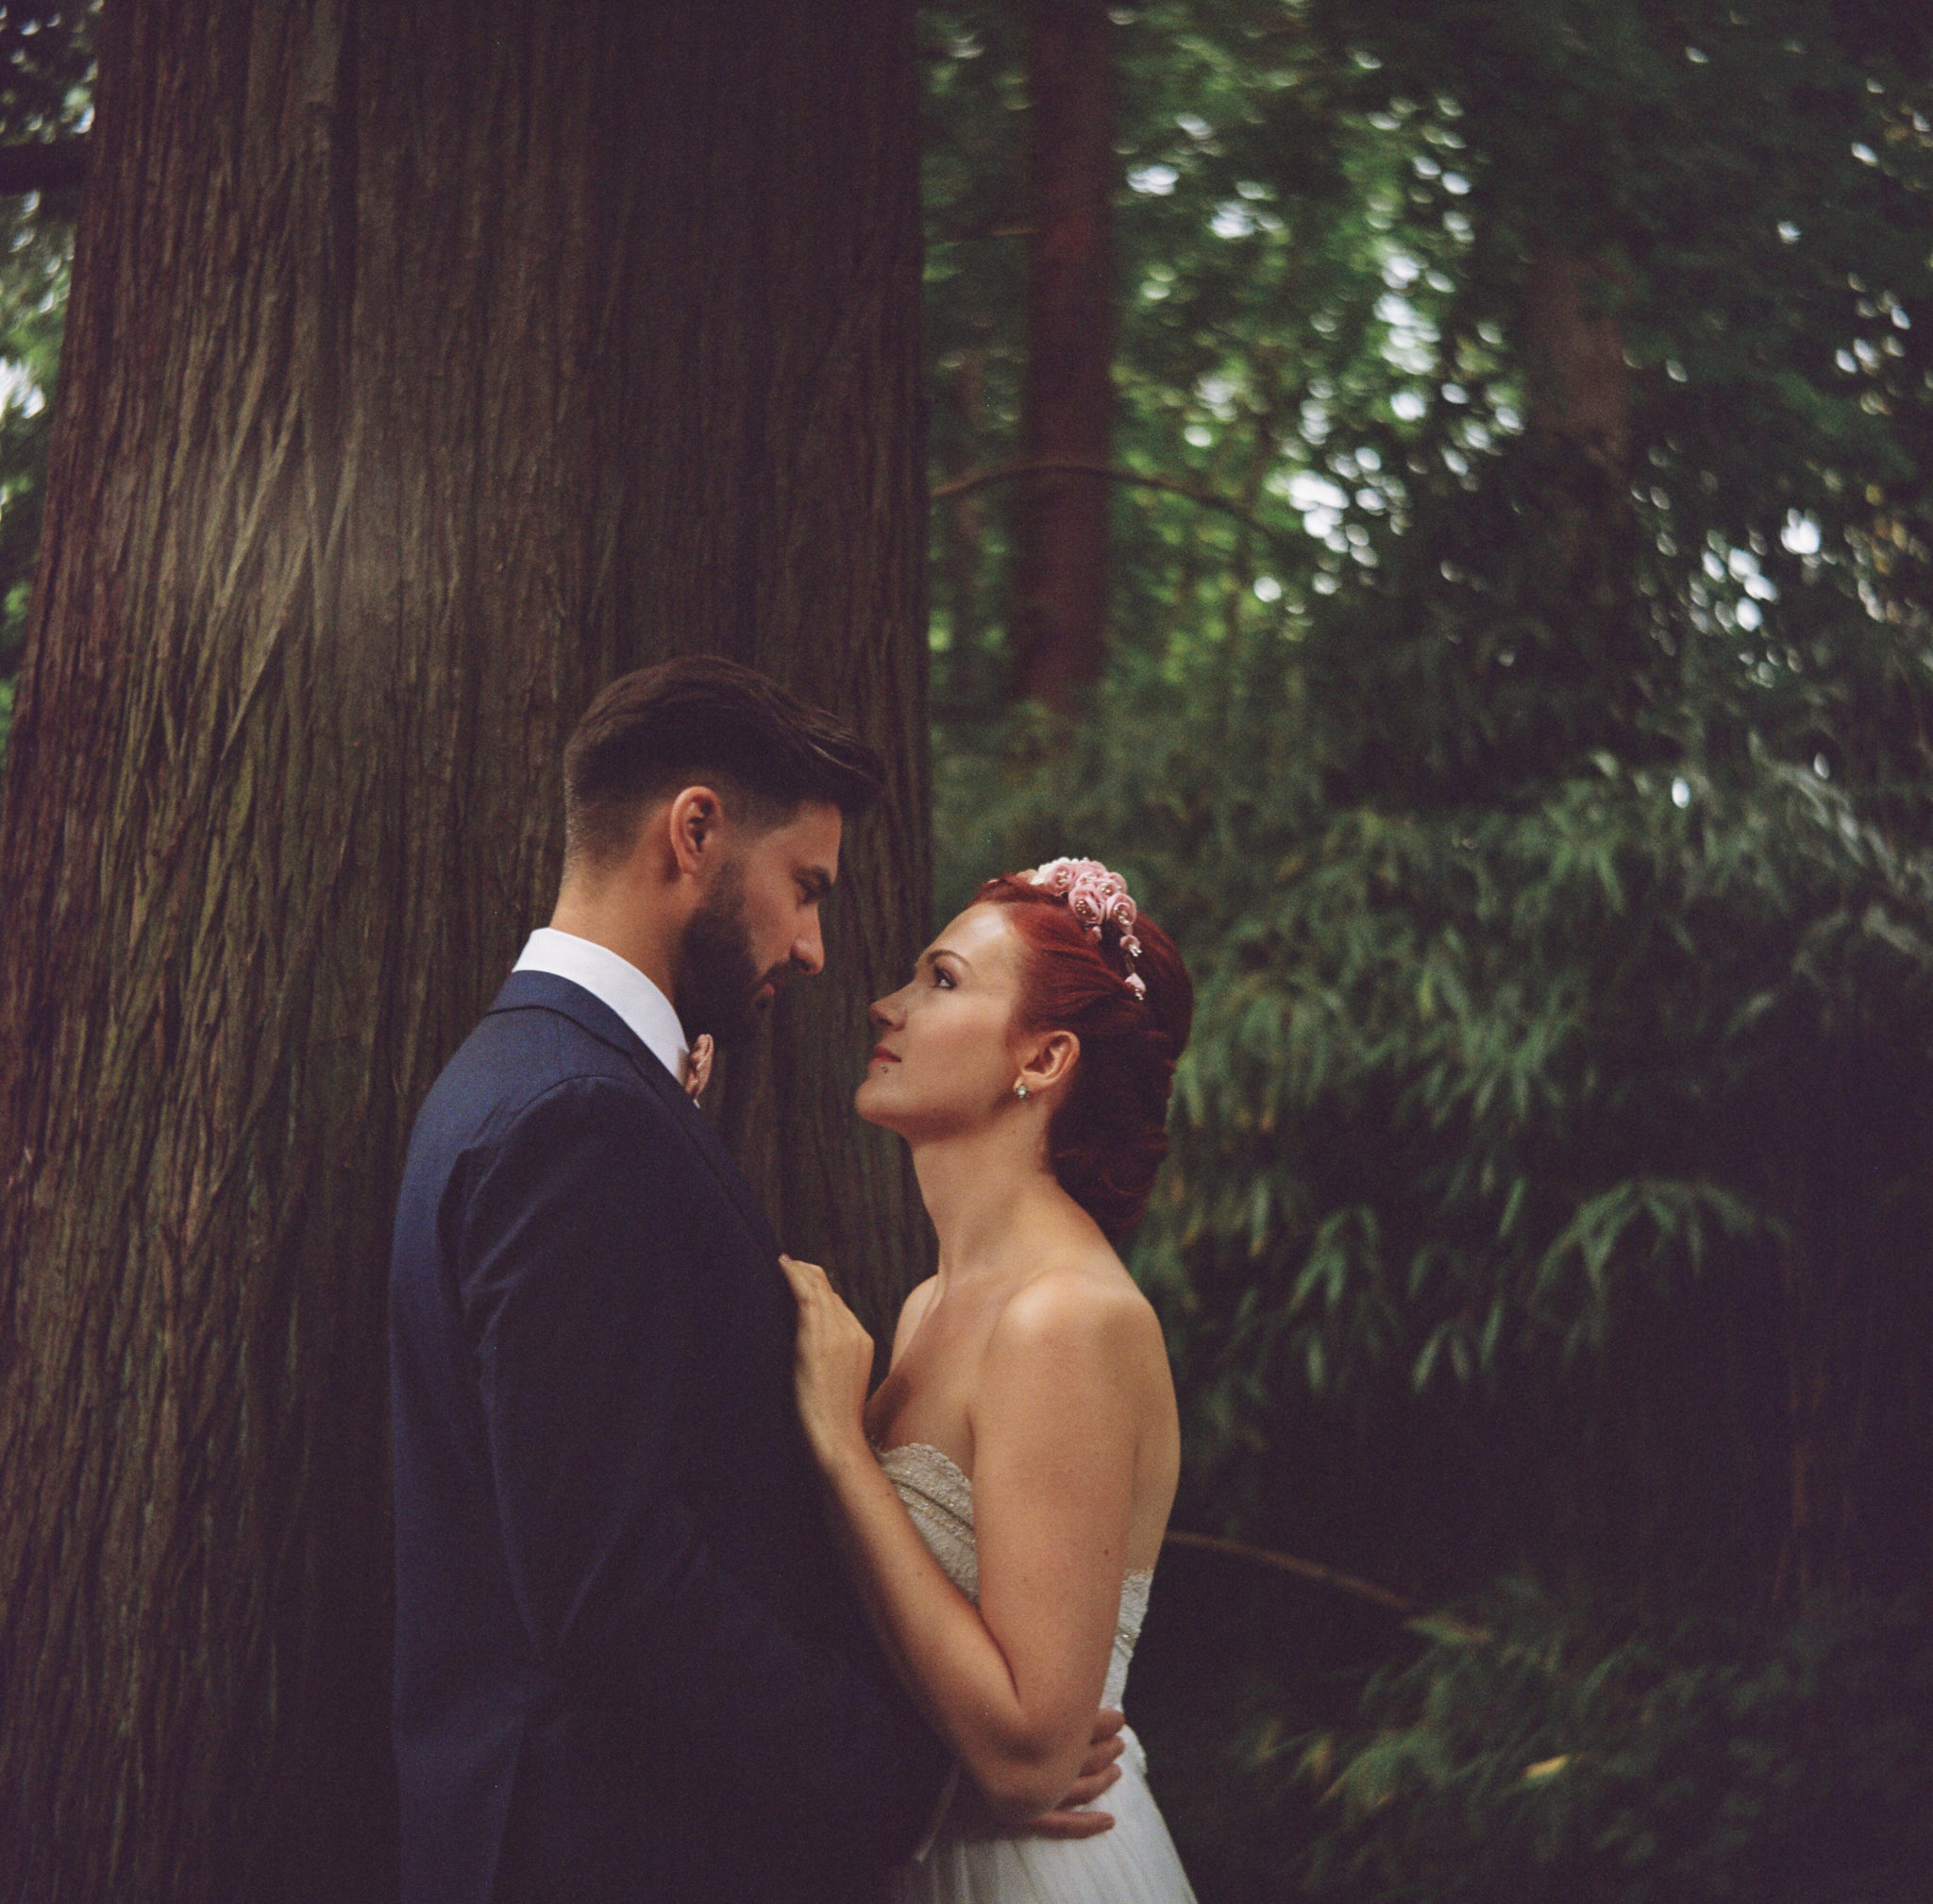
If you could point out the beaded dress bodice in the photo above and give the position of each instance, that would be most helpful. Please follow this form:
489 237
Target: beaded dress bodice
939 1500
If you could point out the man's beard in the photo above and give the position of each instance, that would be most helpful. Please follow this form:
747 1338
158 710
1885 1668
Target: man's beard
718 977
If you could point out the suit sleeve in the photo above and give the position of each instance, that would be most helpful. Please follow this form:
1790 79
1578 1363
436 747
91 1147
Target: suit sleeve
577 1275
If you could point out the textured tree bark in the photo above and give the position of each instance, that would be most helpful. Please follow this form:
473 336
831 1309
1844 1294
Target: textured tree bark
1580 413
1580 385
1061 521
427 364
1580 534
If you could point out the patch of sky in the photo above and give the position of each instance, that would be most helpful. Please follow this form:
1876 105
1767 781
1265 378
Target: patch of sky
1267 588
1748 614
1199 434
1410 334
1407 406
17 390
1458 227
1400 270
1800 536
1743 565
1320 503
1195 128
1232 220
1455 183
1425 167
1153 181
1787 233
1218 392
1865 154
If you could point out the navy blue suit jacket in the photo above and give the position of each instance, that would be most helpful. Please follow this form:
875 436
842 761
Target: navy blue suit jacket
628 1667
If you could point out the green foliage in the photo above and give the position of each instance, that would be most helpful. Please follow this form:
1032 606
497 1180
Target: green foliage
46 74
1479 1096
1545 828
1527 1754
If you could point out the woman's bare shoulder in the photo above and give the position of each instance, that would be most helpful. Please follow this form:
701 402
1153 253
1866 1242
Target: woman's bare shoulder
1081 1302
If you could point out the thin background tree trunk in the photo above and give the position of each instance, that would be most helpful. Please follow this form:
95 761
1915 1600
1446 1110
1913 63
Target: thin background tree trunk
426 365
1061 521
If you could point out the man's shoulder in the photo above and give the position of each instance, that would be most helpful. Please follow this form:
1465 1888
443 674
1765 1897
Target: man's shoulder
526 1060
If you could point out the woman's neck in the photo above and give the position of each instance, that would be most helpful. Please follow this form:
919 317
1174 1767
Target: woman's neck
990 1195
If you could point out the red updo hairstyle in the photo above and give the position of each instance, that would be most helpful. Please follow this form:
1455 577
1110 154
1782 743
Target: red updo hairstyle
1110 1132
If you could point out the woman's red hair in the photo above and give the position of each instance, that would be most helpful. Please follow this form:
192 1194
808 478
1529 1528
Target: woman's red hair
1109 1135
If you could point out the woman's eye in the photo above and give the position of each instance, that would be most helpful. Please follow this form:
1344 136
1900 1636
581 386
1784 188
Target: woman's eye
941 977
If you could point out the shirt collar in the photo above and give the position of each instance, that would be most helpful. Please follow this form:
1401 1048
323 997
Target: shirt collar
616 982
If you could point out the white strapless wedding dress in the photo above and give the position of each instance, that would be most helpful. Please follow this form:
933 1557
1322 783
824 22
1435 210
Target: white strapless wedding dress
1136 1863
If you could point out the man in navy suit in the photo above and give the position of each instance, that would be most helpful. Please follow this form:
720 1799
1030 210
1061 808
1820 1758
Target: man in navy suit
628 1665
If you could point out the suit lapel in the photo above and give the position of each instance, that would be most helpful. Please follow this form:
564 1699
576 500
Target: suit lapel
546 991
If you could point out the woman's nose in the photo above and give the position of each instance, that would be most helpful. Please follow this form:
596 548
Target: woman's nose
880 1013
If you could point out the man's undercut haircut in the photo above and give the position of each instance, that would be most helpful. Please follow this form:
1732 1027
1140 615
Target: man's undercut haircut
703 721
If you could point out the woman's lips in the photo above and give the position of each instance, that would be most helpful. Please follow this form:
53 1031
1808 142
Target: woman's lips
881 1055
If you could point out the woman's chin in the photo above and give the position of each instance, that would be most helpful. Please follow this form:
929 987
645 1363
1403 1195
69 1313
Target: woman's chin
867 1102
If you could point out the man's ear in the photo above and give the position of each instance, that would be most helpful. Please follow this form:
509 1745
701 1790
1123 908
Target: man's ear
1051 1060
693 822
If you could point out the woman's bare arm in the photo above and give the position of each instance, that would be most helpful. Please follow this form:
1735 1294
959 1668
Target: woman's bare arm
1013 1684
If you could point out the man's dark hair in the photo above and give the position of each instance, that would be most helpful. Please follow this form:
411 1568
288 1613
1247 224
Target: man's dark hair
701 718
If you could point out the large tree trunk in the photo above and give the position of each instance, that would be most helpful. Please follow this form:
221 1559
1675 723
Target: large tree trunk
1580 422
1061 519
427 363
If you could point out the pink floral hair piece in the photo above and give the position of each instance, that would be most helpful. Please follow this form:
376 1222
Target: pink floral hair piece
1095 896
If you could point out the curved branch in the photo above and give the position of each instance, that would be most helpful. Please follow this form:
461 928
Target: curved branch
42 164
1208 499
1288 1563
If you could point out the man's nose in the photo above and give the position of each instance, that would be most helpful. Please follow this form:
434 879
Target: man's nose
809 951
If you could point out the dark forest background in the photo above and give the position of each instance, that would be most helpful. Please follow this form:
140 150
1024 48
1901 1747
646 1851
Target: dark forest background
1441 495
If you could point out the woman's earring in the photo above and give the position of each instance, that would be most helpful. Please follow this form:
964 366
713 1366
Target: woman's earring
1020 1090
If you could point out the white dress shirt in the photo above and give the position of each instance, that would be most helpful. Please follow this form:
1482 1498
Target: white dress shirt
615 982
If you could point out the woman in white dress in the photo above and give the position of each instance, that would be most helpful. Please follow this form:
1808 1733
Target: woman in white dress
1001 1498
